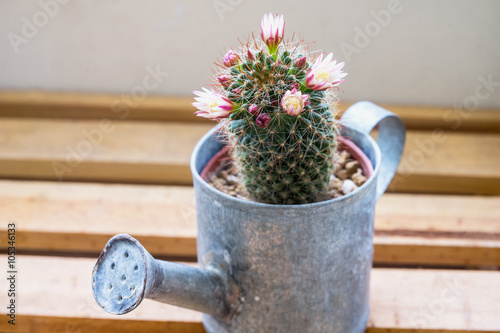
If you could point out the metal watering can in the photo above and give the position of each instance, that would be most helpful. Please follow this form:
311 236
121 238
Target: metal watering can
267 268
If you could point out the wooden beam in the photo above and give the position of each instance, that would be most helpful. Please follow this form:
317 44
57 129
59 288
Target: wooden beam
442 162
55 295
444 230
449 119
44 104
76 217
159 153
40 104
86 150
52 324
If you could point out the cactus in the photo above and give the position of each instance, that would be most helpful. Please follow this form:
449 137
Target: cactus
277 110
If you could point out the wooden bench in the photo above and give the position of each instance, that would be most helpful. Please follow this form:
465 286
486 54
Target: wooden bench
437 237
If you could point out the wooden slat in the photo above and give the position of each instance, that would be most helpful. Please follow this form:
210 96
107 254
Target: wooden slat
61 288
55 295
449 163
82 217
98 106
437 230
410 229
152 152
45 324
20 104
146 152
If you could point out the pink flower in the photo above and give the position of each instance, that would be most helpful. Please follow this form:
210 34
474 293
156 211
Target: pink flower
213 105
272 30
230 59
263 120
293 102
325 74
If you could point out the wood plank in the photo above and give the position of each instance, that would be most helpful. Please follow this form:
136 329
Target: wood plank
97 106
21 104
55 216
434 300
409 229
86 150
55 295
440 162
46 324
437 230
61 288
158 153
450 119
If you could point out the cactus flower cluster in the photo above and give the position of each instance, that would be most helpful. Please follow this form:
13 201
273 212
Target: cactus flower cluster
277 102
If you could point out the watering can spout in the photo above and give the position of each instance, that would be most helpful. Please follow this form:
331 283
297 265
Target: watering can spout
126 273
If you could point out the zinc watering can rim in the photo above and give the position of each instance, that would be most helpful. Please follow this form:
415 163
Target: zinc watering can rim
272 209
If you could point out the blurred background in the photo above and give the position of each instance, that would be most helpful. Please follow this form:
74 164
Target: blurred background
422 52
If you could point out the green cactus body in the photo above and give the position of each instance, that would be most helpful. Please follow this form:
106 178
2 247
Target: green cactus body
291 159
278 114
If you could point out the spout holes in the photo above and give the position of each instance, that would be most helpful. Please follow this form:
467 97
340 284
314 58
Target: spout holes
120 298
136 268
113 266
132 288
110 286
126 254
124 278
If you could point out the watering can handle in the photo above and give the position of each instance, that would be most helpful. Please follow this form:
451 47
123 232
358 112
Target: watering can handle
364 117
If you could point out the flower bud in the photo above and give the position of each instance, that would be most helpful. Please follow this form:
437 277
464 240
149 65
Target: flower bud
250 55
230 59
300 62
263 120
272 30
224 80
253 109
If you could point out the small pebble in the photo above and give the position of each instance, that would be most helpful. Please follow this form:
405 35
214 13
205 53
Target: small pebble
352 167
232 180
348 186
358 178
342 174
336 183
223 174
343 157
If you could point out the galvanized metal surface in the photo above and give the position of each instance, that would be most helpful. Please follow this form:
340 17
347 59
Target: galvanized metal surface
301 268
364 117
126 273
